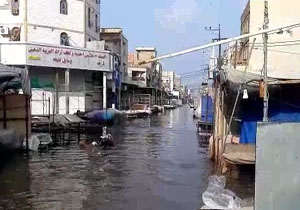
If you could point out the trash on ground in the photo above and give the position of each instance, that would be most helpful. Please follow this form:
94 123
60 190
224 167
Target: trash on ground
39 141
217 197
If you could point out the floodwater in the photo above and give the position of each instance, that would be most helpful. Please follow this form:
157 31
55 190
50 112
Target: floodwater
158 163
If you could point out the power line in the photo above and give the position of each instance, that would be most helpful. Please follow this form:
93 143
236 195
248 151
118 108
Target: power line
193 72
280 51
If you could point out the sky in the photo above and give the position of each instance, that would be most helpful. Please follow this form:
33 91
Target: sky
173 25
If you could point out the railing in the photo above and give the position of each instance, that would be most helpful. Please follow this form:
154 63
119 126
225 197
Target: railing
238 55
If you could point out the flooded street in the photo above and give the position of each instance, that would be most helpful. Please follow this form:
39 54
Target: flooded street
157 163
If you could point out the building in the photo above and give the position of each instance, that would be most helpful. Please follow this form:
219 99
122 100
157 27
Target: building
58 42
143 79
115 42
177 82
168 81
139 76
283 46
60 22
154 69
240 91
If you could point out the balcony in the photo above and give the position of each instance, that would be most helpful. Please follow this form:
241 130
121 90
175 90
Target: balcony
238 55
33 54
130 81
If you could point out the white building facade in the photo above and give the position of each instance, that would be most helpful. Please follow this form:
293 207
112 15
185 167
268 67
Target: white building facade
58 42
168 80
283 47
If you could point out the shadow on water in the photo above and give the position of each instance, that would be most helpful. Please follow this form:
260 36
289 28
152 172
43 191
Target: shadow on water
14 183
157 163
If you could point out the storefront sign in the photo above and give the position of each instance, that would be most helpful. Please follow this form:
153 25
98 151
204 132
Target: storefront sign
33 57
60 57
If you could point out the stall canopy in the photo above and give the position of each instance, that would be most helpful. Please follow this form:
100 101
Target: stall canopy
283 105
14 78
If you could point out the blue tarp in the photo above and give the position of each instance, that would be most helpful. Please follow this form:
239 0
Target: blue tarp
207 109
252 112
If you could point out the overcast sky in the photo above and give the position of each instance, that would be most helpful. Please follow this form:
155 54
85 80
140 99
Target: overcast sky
172 25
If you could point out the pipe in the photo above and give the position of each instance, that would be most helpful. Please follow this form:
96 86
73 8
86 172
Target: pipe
25 20
84 23
219 43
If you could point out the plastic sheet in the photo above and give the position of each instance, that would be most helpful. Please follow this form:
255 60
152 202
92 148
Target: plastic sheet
197 113
36 141
217 197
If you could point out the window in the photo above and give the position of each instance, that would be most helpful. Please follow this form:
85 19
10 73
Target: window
89 17
63 7
96 23
15 7
64 39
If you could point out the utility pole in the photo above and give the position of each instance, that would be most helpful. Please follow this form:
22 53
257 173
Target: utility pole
265 72
219 63
25 21
220 46
220 49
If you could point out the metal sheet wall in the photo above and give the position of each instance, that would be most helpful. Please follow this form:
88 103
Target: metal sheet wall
277 184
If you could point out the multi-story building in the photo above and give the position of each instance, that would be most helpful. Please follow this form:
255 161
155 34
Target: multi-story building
177 82
58 42
283 50
153 69
115 42
168 81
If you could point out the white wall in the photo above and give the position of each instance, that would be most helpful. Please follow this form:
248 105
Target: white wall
49 36
284 64
40 102
45 23
168 77
9 20
46 27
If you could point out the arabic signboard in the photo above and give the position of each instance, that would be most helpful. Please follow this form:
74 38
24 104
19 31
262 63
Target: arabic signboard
65 57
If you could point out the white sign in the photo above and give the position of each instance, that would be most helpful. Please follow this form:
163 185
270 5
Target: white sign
65 57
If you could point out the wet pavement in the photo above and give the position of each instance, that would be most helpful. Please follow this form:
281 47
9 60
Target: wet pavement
157 163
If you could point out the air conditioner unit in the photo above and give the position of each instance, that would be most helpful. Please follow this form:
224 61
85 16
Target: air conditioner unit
4 30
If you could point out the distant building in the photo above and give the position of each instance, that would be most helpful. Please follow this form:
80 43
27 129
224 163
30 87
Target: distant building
168 81
153 70
116 43
58 42
177 83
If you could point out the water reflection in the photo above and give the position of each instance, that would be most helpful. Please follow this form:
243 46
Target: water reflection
157 163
